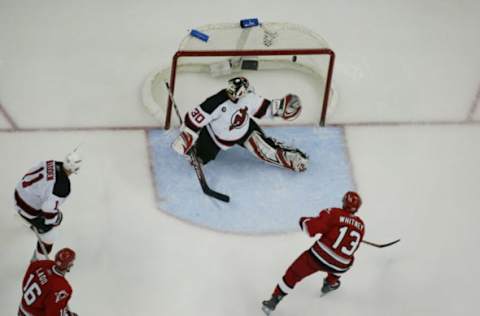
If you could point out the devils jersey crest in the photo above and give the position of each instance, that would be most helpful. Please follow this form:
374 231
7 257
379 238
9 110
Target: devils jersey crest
226 121
239 118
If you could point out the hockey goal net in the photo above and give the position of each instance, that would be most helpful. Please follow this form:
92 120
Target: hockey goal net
251 52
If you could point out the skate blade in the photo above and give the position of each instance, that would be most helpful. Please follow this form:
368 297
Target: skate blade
322 294
266 310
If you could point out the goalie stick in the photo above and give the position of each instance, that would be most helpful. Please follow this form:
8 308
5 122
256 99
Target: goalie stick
195 163
380 245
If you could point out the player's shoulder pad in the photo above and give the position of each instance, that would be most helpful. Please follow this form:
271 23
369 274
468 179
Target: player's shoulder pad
38 263
213 102
359 219
329 210
61 188
60 285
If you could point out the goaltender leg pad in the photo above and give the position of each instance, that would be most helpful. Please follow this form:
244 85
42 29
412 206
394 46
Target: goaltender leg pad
275 153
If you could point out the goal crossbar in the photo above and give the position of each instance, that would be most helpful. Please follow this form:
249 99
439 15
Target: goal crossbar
253 52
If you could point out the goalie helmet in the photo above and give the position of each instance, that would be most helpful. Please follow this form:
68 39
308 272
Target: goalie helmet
72 162
351 201
64 259
237 87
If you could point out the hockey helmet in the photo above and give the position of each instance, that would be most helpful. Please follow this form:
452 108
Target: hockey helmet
237 87
351 201
64 259
72 162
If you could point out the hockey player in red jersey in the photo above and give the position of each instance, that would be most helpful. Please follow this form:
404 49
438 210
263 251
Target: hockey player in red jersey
39 194
227 119
341 232
45 290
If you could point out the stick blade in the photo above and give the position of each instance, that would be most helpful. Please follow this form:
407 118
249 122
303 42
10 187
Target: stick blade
203 182
212 193
381 245
217 195
390 243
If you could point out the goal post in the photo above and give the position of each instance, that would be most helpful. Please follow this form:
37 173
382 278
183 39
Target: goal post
230 50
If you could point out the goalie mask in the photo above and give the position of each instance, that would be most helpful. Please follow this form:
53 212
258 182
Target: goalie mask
351 201
237 87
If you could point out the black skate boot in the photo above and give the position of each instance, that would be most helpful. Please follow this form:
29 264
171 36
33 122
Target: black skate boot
326 288
269 306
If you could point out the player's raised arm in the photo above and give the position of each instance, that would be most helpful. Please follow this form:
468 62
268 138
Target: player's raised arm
288 108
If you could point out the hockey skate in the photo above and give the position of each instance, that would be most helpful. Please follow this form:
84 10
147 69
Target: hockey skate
327 288
269 306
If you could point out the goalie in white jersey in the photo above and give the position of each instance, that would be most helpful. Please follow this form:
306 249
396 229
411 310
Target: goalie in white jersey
226 119
39 194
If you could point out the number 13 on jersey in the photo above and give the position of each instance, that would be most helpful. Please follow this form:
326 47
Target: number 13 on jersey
349 239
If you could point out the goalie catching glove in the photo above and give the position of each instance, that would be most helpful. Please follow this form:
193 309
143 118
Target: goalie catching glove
288 108
185 141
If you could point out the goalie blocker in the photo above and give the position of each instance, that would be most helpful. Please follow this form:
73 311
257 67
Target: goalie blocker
222 121
185 141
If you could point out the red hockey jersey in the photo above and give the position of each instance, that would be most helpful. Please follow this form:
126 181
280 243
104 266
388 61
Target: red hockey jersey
341 234
45 291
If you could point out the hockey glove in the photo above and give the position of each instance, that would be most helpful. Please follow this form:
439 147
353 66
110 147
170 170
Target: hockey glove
185 141
39 224
302 221
288 108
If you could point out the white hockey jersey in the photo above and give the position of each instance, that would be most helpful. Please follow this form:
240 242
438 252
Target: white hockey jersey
42 190
227 121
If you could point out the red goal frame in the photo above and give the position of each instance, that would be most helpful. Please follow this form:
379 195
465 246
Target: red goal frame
235 53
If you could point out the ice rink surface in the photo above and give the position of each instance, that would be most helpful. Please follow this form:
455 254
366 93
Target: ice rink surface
408 75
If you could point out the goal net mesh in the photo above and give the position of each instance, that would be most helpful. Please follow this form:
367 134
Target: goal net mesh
302 60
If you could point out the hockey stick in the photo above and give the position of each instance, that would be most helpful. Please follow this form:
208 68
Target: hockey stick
42 246
195 163
380 245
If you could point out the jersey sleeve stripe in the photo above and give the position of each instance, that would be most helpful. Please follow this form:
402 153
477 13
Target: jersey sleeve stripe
262 110
50 215
33 172
326 263
332 254
25 207
284 287
190 124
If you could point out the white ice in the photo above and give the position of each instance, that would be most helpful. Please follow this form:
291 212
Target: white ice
409 79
